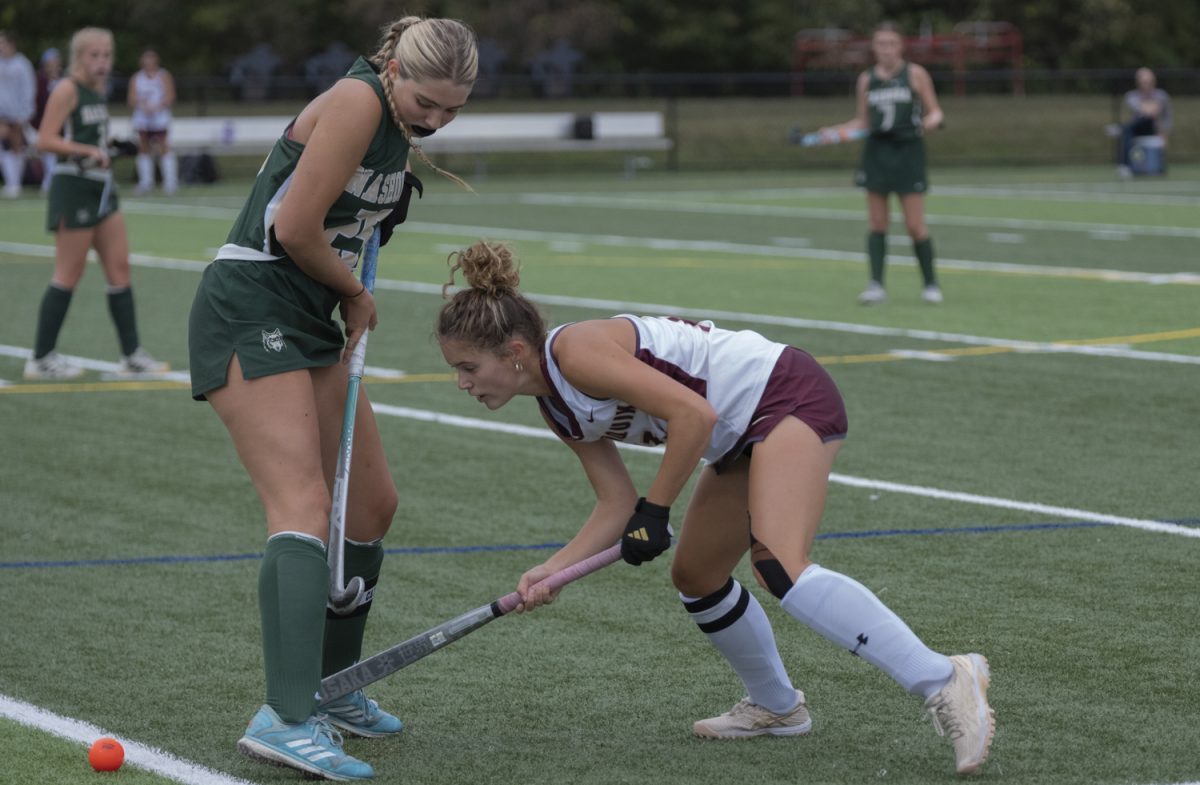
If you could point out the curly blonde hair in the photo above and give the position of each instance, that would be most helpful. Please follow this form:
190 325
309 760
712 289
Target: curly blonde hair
490 310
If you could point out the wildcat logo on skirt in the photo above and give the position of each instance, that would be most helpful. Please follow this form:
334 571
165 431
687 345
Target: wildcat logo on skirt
273 341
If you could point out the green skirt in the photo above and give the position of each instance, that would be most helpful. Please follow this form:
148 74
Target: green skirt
271 314
79 201
892 166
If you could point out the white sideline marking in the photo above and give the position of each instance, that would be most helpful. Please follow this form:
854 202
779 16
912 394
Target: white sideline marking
580 241
1011 238
841 479
748 249
623 306
629 202
110 372
139 755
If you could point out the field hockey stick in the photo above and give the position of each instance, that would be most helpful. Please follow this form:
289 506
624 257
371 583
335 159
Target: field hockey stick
343 597
827 136
387 662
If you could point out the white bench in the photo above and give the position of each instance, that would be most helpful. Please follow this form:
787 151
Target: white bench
470 133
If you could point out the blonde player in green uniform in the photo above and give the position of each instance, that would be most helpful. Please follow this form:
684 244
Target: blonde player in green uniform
82 210
265 353
897 105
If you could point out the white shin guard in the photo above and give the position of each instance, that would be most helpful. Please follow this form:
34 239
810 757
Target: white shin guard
842 610
144 164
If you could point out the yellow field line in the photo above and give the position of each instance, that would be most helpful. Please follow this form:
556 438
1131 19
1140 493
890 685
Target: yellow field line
1173 335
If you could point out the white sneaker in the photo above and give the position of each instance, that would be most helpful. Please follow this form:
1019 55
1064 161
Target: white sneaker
1124 172
960 710
873 294
141 361
52 366
748 719
12 191
932 294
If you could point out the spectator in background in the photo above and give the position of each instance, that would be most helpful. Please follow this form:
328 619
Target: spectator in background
554 69
1150 110
152 95
16 108
49 72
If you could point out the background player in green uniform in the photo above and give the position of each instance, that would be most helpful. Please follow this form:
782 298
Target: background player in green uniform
265 353
897 104
82 210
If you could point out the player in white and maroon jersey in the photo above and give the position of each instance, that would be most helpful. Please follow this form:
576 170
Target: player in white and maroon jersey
768 421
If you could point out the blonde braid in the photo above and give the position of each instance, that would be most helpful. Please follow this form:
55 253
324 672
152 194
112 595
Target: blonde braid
386 51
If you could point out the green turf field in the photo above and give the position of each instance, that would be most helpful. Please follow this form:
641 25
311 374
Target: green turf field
991 437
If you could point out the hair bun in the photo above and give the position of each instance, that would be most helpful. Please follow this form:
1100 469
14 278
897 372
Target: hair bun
488 267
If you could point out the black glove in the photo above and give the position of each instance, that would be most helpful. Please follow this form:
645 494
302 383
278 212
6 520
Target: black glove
647 533
397 215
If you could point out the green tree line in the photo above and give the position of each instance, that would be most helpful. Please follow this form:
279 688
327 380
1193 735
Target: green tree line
614 36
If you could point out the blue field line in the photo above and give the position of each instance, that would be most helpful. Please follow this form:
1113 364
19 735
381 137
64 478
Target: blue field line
1019 527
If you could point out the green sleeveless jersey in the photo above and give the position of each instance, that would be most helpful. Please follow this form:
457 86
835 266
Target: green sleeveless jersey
894 108
88 121
370 193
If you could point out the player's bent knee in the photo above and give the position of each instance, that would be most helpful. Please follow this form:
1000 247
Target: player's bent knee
769 573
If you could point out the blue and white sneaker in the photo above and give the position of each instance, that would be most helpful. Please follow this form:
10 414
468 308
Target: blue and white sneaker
360 716
311 746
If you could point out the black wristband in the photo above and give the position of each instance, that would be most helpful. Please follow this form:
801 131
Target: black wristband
652 509
356 294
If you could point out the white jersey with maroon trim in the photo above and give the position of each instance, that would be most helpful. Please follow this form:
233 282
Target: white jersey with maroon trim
730 369
150 93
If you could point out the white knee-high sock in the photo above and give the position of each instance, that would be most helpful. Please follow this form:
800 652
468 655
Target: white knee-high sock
844 611
737 626
13 166
170 172
145 171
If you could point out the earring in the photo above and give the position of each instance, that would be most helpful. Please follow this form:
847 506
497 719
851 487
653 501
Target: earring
518 366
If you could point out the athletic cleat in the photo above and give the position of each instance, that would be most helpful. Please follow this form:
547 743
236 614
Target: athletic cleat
932 294
311 746
51 366
358 715
960 710
141 361
748 719
874 294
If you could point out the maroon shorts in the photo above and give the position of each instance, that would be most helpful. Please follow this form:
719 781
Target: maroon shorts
799 387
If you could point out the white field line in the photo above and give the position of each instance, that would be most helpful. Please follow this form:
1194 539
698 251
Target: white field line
577 242
1069 513
139 755
791 252
626 202
620 306
112 371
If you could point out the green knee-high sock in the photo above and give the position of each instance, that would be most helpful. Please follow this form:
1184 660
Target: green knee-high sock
924 251
877 253
344 634
120 307
293 584
51 315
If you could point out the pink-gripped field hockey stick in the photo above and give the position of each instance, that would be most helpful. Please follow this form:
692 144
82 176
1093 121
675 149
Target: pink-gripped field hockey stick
388 661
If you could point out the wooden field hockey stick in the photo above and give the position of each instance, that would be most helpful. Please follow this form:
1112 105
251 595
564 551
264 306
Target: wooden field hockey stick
343 597
387 662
